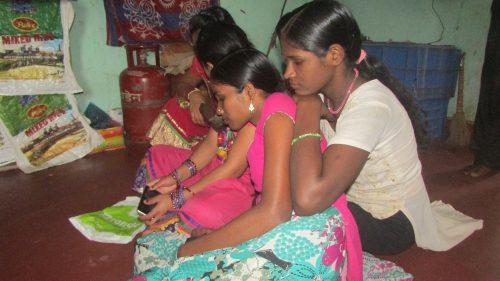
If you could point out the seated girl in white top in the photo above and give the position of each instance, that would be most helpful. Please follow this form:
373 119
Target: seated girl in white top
372 154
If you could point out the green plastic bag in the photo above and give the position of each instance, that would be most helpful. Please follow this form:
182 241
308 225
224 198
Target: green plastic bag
116 224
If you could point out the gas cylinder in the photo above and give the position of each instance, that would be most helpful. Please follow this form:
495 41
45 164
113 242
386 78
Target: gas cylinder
144 89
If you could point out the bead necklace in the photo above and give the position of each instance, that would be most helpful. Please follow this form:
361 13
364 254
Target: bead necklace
225 140
342 104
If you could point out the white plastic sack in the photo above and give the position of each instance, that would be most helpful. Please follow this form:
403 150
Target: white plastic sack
116 224
39 116
6 152
34 50
45 130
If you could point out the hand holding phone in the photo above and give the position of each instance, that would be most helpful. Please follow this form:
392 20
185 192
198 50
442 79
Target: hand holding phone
143 208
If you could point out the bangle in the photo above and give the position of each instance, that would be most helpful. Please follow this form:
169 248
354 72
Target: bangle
316 135
177 197
191 166
188 95
175 176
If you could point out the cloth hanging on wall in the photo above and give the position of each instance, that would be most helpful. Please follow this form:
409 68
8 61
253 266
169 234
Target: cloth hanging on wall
150 22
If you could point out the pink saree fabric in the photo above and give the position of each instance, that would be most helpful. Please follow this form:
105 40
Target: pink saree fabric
218 203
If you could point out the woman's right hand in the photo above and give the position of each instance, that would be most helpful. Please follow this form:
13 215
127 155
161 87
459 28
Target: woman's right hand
325 113
164 185
198 232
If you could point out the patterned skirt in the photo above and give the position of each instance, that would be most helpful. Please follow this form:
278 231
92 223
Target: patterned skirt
304 248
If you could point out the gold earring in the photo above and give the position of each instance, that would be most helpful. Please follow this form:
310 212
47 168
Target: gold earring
251 107
219 111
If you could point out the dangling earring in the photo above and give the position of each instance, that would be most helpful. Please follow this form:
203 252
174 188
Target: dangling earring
219 111
251 107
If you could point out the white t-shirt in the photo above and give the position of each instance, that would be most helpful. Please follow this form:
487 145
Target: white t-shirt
391 180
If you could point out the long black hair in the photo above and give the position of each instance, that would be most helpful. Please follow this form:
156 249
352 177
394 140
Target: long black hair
218 39
317 25
208 16
247 65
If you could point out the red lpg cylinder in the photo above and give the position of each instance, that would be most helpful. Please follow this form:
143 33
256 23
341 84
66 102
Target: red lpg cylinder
144 89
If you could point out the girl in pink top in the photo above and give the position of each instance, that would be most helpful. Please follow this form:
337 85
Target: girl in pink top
268 241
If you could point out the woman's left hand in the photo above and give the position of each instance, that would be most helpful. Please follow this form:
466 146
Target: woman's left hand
308 99
163 204
195 100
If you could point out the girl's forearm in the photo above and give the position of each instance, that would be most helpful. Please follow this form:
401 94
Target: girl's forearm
251 224
235 164
222 172
306 159
307 117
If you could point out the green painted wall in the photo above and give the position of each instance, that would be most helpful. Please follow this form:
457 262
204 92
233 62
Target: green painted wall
258 18
97 66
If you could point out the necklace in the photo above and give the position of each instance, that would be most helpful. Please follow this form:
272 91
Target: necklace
342 104
224 142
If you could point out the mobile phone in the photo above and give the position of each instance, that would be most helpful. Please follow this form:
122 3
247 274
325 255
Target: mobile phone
143 208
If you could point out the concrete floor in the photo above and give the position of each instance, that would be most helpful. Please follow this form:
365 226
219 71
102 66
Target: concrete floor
38 242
